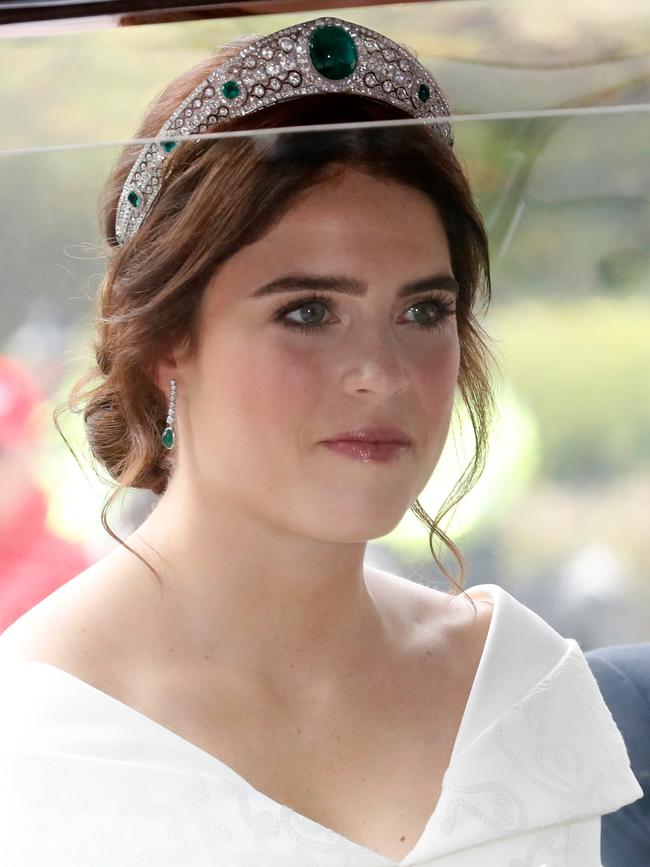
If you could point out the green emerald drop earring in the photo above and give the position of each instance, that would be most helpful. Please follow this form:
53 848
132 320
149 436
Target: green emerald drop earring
168 436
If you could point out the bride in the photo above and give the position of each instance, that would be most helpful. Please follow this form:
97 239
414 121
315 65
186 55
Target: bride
279 338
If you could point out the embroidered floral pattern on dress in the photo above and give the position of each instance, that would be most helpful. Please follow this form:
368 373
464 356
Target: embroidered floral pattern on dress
111 787
566 759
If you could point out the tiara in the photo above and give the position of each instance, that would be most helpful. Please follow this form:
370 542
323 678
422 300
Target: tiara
324 55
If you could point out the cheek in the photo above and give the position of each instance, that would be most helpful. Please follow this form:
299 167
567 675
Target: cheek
272 390
437 369
434 380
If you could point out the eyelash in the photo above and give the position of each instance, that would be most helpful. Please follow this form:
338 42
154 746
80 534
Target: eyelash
445 309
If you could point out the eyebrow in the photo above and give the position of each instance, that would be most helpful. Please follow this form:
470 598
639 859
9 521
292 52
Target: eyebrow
350 286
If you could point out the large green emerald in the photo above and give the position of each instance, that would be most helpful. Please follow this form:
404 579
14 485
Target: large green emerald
168 438
230 89
333 52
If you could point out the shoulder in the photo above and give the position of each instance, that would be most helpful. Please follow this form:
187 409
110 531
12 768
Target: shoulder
48 627
470 623
74 628
428 613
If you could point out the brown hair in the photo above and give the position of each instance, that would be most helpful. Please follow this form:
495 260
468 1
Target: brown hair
220 195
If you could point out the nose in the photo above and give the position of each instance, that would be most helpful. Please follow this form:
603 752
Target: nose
375 364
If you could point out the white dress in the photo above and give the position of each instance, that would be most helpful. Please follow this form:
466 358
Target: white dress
87 781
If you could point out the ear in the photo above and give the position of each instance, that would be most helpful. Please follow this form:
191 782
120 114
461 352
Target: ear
166 368
171 363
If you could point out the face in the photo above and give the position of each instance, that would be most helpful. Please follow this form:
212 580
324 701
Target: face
262 394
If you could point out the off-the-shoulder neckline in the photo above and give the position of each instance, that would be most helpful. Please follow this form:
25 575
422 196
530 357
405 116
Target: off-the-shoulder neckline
495 592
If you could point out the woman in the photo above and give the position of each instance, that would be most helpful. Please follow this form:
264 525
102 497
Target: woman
283 324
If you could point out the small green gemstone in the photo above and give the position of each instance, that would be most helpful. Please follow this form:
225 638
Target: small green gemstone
168 145
134 198
423 93
168 438
333 52
230 89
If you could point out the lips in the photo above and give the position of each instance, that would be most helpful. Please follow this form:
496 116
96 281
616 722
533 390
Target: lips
369 452
371 435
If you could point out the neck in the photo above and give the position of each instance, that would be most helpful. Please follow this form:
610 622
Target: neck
257 597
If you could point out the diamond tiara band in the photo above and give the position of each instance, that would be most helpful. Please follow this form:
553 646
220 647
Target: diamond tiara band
324 55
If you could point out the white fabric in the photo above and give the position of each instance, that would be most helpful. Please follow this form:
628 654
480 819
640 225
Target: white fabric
87 780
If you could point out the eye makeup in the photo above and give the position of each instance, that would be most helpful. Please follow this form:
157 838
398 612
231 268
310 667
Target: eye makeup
444 310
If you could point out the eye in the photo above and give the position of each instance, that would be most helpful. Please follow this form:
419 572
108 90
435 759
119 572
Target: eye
442 310
313 302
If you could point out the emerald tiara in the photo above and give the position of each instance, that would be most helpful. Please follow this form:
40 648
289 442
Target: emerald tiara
324 55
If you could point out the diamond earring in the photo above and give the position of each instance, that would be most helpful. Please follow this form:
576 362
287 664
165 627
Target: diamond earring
168 436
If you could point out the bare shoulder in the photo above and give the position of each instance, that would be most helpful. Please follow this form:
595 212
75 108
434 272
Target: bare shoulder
431 612
419 601
478 619
52 625
74 628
